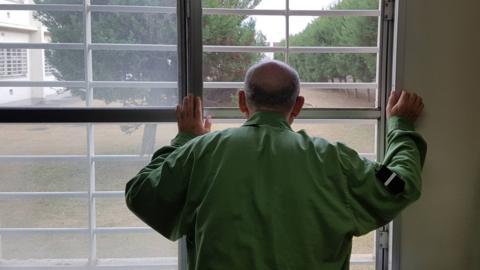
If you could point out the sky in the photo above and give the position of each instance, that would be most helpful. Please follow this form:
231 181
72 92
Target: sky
273 27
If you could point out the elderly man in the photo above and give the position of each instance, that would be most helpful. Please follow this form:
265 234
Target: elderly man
262 196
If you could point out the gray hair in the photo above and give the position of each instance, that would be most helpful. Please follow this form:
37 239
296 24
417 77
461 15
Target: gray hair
272 85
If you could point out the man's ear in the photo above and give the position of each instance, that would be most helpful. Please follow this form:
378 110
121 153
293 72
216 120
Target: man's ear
242 102
297 108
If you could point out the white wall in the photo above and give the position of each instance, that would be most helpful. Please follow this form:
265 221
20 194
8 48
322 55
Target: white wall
20 26
442 63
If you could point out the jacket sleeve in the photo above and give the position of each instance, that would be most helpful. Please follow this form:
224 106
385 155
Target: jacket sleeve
373 204
157 194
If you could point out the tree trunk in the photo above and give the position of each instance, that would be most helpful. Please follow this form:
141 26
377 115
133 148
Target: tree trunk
148 140
150 131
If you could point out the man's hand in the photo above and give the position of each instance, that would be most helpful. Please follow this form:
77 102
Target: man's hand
404 104
190 117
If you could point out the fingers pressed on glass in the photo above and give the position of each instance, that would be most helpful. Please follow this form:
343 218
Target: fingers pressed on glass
198 108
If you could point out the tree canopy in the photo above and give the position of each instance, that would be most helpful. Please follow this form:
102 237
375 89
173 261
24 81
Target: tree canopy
140 28
337 31
237 30
147 28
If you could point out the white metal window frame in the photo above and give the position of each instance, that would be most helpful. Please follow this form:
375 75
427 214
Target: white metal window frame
189 79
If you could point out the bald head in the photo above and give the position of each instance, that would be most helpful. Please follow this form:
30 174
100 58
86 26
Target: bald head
272 86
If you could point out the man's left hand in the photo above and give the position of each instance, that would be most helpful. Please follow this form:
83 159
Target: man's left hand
190 117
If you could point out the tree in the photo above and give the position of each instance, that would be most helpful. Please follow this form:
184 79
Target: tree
228 31
337 31
137 28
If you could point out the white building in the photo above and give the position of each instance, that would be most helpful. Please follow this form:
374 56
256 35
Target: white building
22 64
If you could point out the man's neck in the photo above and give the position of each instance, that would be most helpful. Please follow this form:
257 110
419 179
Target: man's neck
286 115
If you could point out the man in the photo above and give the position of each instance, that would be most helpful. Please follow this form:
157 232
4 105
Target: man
262 196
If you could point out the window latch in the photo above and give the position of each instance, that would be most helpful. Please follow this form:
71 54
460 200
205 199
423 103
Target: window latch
389 10
382 239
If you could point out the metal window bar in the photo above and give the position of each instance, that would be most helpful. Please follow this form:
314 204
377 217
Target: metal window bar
172 10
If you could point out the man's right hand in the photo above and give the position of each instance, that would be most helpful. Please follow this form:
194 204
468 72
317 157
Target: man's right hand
190 117
405 104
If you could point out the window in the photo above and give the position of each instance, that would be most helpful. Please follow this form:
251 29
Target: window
49 69
13 63
115 69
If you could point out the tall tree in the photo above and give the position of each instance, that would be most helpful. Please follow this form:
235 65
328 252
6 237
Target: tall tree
231 30
337 31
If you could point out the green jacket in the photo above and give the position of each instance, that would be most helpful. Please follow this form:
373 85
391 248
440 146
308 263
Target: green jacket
262 196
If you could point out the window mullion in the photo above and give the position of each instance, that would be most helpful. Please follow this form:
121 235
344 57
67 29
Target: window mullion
92 258
88 52
194 48
384 79
91 198
287 29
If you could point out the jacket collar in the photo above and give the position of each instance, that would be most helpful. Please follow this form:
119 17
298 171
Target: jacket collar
273 119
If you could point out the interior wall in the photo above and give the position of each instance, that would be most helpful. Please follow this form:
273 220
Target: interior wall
441 62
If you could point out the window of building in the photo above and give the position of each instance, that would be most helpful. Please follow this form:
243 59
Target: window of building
122 66
49 69
13 63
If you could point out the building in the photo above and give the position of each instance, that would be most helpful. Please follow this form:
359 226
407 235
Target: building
23 64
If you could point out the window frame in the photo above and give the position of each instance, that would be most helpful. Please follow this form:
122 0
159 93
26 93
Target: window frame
190 81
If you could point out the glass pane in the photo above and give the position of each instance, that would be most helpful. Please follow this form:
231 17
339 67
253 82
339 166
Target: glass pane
132 139
329 67
228 67
76 2
314 98
362 266
113 212
162 3
40 139
42 97
333 31
333 4
43 175
134 66
44 246
338 98
41 65
220 97
162 96
140 245
243 30
364 245
357 134
249 4
44 213
113 175
114 97
24 26
134 28
60 65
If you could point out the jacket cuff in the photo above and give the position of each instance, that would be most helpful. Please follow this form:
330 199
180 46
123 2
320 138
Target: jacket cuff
402 123
182 138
